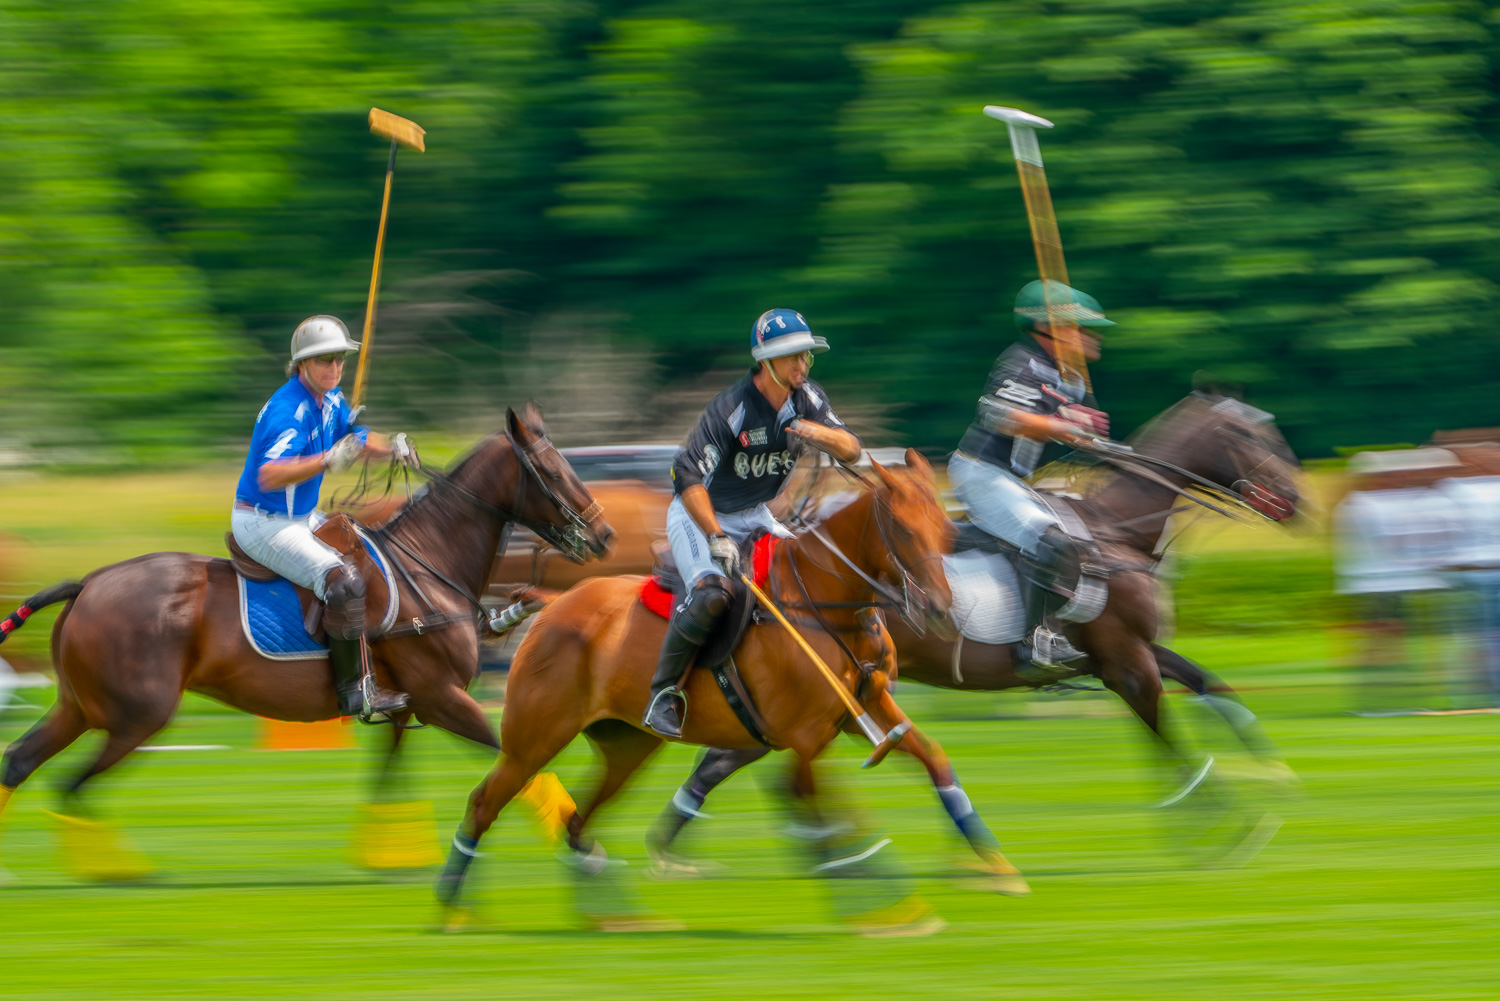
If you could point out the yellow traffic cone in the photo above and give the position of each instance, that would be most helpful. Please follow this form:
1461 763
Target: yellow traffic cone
396 836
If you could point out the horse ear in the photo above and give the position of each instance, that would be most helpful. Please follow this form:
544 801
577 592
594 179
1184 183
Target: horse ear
884 474
531 416
916 460
519 433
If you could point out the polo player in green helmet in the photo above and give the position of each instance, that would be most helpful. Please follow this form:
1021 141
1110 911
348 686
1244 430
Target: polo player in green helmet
1027 403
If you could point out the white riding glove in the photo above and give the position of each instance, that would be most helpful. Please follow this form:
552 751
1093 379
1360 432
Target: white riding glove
343 453
725 554
1091 420
404 451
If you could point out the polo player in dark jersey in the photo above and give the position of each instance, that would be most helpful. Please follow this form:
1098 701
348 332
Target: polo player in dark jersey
1026 404
736 459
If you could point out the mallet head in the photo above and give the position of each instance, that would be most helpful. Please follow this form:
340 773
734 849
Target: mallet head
399 130
1015 116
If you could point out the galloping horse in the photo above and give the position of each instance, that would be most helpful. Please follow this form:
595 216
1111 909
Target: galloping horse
135 635
1205 442
586 665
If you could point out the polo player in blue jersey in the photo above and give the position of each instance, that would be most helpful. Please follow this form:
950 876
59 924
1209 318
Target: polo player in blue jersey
305 429
737 458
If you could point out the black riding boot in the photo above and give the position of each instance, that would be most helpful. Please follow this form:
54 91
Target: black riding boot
1043 655
692 623
356 696
344 618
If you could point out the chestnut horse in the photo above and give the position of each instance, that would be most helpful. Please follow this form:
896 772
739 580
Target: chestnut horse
1201 442
135 635
586 665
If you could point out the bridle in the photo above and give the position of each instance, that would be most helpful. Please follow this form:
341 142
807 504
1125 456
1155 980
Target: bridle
1245 492
571 539
910 601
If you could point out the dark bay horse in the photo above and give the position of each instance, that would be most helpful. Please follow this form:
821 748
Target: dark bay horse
135 635
1201 442
586 665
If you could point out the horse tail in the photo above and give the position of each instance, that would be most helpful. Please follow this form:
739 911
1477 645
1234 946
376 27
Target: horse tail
65 591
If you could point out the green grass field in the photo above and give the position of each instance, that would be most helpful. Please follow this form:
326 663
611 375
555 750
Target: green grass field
1381 884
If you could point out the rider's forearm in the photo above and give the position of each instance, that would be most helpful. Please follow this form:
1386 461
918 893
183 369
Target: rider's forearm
280 473
699 508
378 445
836 442
1028 425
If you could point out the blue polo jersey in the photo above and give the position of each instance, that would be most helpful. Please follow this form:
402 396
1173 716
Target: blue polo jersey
293 424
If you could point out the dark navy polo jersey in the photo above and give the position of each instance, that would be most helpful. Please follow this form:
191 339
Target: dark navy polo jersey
739 448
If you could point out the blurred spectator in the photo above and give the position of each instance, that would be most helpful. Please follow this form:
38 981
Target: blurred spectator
1393 537
1475 567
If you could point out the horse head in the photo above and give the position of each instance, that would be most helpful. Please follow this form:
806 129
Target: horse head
1233 445
915 534
551 500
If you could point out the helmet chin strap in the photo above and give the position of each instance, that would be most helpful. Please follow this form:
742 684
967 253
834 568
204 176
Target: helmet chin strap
771 371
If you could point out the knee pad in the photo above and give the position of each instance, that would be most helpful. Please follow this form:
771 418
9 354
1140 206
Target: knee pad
345 598
702 609
1058 561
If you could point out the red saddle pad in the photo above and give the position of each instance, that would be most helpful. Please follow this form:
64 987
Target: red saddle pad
659 599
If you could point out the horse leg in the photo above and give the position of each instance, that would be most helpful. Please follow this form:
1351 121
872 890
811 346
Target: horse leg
1219 697
950 793
520 759
49 736
458 713
385 773
716 765
624 749
123 737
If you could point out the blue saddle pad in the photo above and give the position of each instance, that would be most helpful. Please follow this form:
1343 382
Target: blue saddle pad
271 615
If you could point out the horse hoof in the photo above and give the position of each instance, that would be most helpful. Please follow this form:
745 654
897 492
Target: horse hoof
930 925
911 918
668 866
1002 877
636 924
455 920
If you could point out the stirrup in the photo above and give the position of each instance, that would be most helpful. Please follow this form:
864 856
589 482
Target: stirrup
368 691
1051 649
651 709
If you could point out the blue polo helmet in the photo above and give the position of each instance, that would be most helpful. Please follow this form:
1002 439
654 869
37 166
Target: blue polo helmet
781 332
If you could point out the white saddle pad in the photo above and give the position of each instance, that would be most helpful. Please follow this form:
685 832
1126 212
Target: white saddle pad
986 597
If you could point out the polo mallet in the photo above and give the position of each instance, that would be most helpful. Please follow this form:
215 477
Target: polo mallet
400 132
883 741
1022 127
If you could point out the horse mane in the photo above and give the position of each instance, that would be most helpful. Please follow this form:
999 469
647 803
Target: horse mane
423 495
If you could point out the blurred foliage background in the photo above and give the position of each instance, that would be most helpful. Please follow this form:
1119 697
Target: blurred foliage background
1299 199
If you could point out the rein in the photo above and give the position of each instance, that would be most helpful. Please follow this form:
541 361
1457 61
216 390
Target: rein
568 540
887 596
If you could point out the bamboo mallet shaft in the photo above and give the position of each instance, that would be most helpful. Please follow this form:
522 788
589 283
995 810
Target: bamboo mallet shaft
401 132
866 724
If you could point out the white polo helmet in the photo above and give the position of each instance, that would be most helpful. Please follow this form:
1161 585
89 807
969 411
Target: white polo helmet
321 335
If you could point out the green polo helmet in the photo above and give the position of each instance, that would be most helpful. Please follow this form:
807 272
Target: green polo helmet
1068 303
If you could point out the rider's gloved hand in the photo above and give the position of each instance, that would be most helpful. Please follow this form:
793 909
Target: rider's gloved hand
343 453
725 554
1091 420
404 451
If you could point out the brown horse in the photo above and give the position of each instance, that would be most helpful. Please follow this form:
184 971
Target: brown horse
1202 442
586 665
135 635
